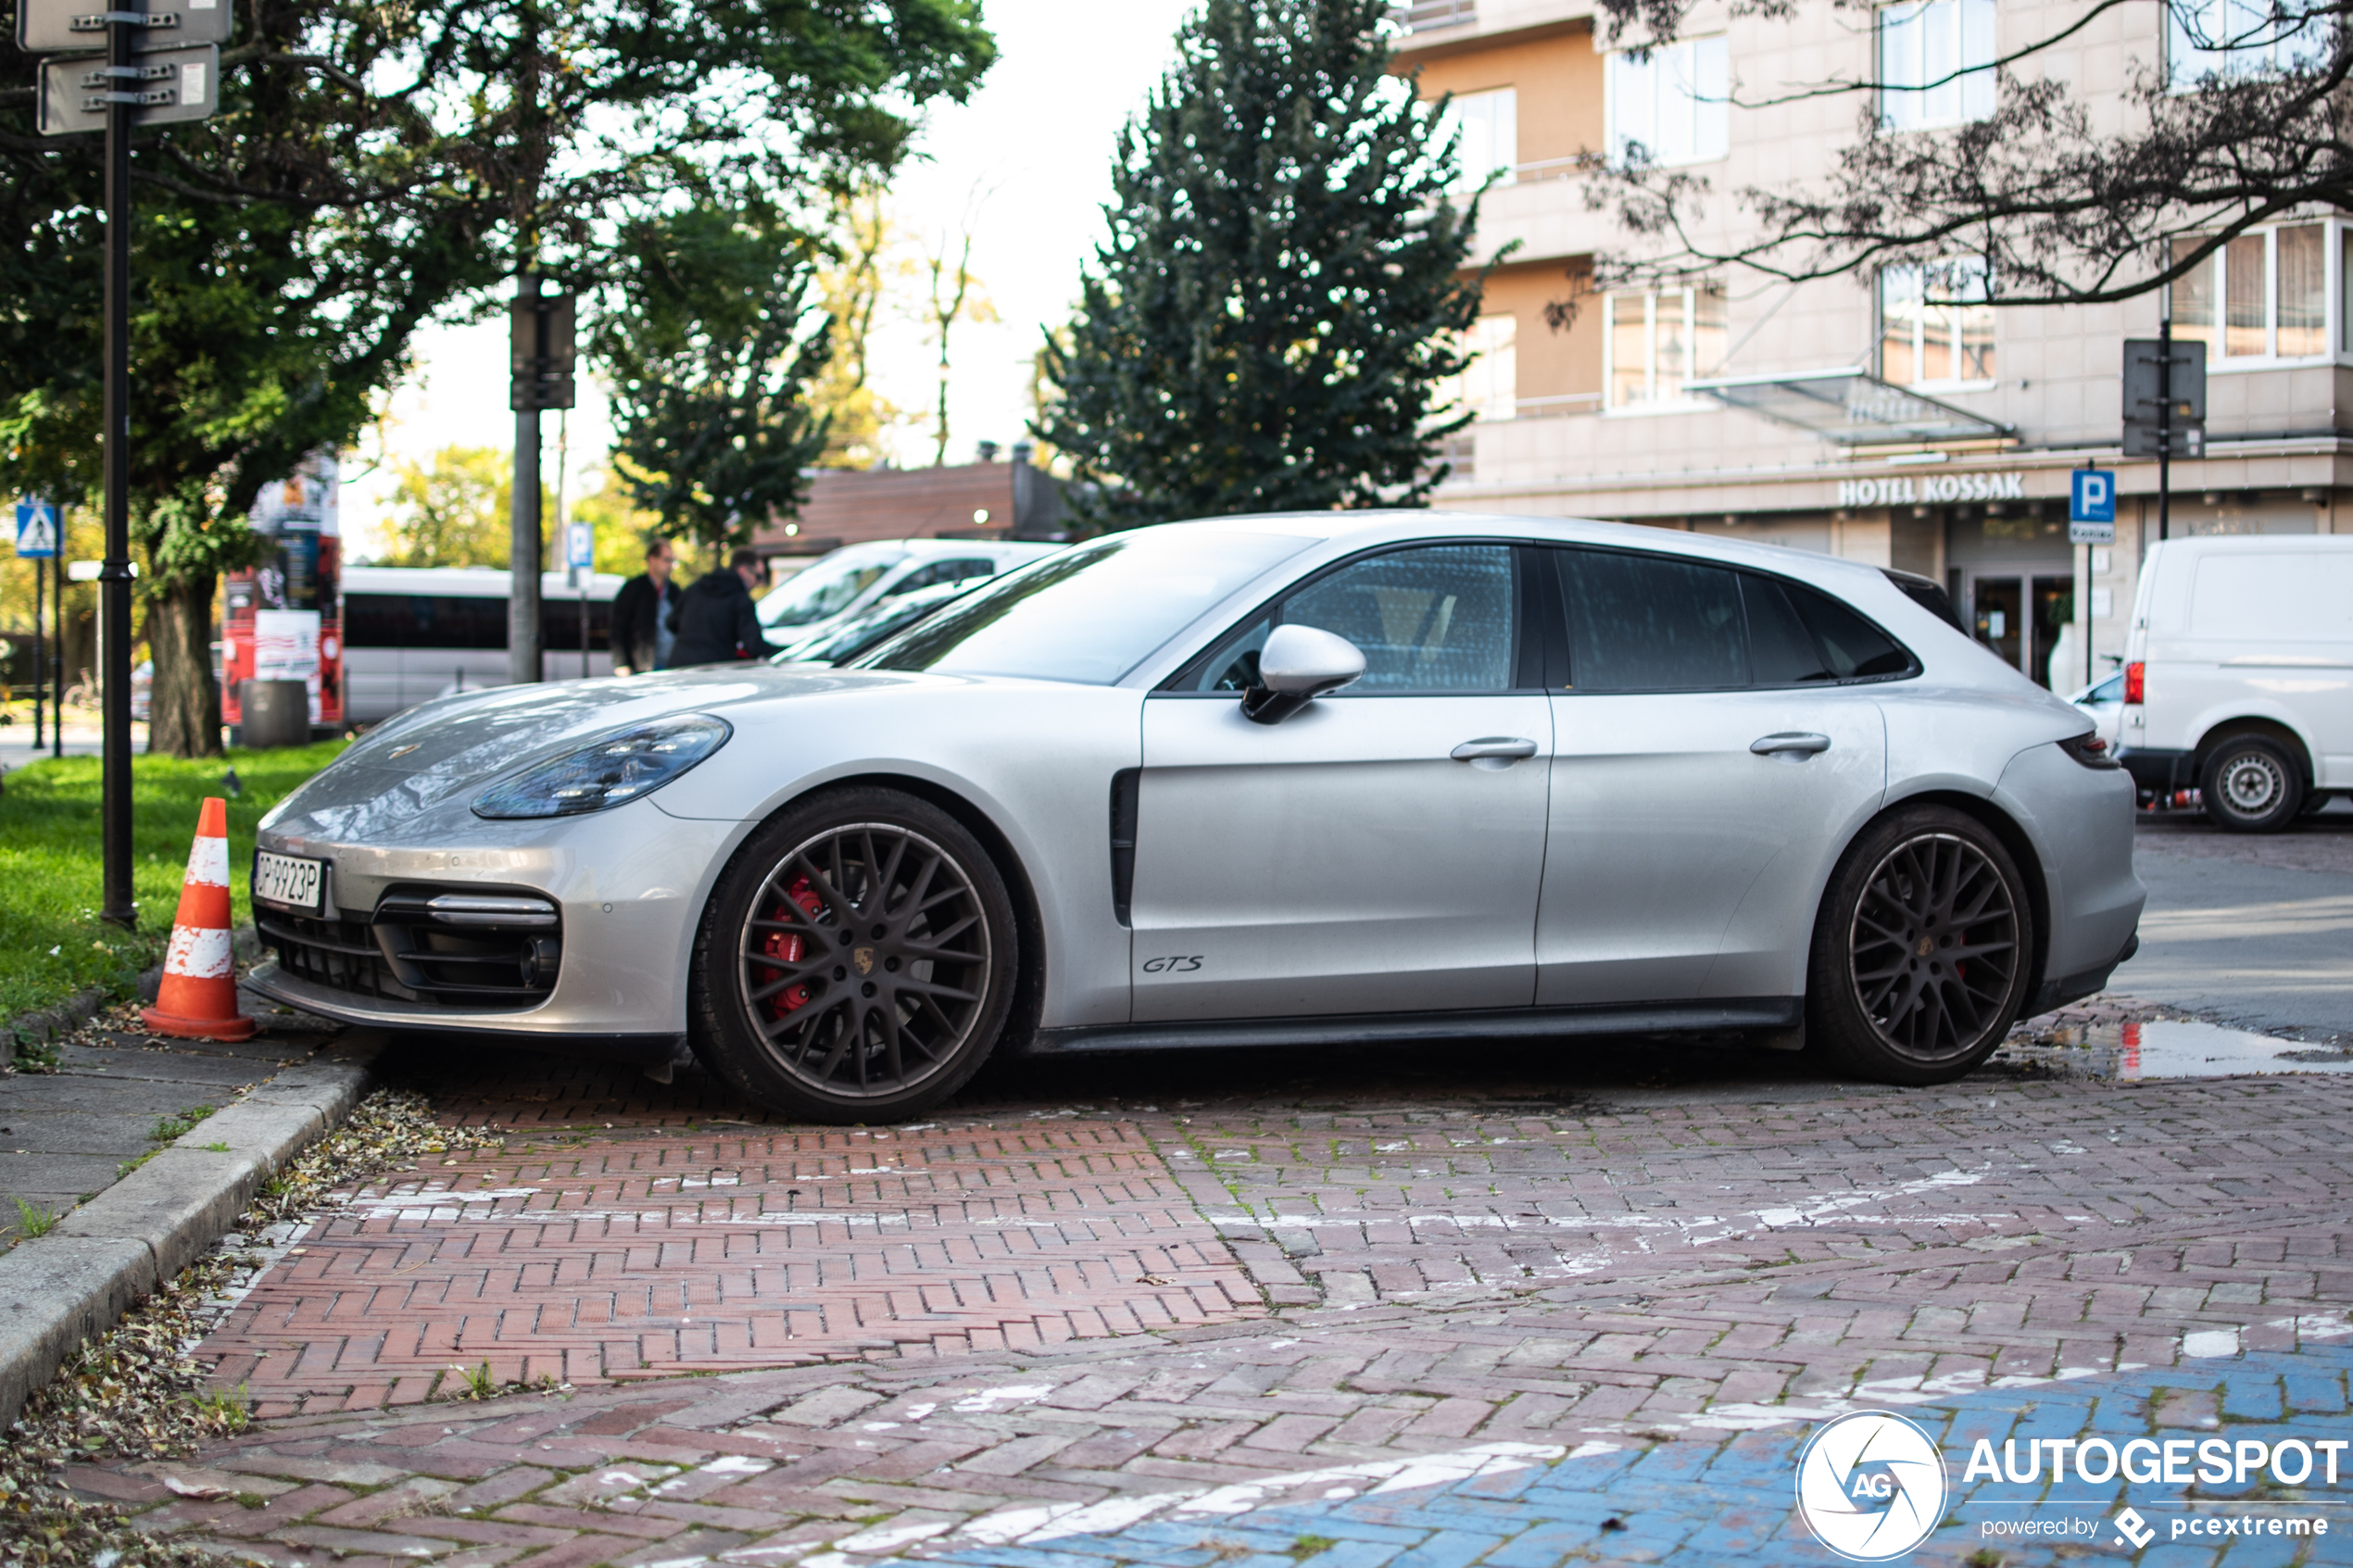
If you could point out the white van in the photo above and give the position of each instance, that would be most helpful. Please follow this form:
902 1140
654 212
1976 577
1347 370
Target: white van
2238 675
411 634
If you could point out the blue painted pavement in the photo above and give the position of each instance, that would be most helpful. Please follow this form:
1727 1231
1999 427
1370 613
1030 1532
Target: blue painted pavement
1698 1503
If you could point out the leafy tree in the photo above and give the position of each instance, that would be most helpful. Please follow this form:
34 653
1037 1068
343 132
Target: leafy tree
375 165
1281 293
709 369
452 509
2069 201
853 283
952 299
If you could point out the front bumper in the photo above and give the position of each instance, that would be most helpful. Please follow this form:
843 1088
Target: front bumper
628 886
649 1049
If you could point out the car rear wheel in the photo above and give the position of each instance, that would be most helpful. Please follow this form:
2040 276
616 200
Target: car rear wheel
856 961
1921 953
2251 784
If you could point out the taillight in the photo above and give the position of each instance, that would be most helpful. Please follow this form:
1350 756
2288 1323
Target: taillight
2134 674
2089 751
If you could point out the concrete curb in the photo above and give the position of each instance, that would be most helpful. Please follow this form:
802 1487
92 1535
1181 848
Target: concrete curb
43 1024
59 1289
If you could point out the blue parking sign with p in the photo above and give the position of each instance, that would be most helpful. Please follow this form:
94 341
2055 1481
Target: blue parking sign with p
2092 496
36 528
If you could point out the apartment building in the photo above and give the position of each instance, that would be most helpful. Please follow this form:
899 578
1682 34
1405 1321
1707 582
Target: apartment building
1890 418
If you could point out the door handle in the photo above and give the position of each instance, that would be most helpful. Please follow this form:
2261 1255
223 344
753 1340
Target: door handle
1795 741
1508 747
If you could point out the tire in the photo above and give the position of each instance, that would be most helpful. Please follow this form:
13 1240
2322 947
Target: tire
1887 995
2251 783
856 961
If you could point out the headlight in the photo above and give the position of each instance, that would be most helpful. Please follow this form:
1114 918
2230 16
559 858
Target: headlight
610 771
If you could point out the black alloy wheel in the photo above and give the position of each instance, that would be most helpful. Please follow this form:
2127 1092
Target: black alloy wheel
1924 950
2251 784
856 964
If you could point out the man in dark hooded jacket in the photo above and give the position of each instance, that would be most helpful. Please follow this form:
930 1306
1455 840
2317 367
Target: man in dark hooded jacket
715 620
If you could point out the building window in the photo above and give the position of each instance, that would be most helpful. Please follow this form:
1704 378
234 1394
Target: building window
1935 63
2207 38
1486 126
1655 340
1488 386
2262 296
1671 105
1936 323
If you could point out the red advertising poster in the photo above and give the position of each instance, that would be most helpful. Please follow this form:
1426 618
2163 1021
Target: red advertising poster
284 619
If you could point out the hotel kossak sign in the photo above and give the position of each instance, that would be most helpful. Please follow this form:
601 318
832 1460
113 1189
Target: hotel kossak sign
1907 490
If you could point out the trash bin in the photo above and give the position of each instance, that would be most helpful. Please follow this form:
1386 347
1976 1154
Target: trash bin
276 713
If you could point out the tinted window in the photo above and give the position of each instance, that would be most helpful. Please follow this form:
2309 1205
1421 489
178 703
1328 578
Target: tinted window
1090 613
427 621
1852 647
1647 623
1782 650
560 625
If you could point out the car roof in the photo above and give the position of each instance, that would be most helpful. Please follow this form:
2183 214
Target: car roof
1366 529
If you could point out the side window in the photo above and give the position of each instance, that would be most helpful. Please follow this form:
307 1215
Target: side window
1780 646
1649 623
943 571
1439 617
1852 648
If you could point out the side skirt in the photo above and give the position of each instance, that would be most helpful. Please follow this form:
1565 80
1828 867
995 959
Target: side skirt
1769 1014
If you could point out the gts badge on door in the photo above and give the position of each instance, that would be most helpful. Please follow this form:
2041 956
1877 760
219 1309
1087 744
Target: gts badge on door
1180 965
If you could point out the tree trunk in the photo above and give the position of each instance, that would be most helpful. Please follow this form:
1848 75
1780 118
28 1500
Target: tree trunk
184 716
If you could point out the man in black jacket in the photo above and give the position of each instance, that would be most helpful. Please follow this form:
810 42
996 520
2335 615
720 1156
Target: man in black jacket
641 613
715 619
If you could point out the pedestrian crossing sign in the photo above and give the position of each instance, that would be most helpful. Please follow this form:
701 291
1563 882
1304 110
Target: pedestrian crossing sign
36 528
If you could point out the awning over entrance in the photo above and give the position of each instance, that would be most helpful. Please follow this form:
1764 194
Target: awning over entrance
1850 407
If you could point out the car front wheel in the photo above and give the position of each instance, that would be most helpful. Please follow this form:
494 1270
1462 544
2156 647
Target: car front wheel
1921 951
2251 784
856 961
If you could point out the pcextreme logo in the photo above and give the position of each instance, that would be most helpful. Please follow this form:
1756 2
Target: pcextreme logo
1871 1486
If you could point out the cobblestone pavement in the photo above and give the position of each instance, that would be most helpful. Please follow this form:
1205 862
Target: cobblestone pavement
1410 1309
2322 842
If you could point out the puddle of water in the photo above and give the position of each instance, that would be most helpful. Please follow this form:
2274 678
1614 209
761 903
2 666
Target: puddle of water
2209 1050
2176 1049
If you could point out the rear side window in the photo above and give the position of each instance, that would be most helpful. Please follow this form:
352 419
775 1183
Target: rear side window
1649 623
1652 624
1798 636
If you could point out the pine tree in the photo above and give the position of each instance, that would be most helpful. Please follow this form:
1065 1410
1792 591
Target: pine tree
1281 293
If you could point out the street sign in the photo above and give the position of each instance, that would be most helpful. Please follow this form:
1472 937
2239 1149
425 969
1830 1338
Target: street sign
2188 383
2189 441
580 546
36 528
541 352
52 27
168 85
2091 506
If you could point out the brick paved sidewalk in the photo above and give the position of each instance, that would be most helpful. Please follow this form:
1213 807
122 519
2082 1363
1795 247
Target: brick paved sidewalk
1389 1261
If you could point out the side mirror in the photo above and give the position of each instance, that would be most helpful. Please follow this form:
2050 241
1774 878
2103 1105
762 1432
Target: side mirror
1298 665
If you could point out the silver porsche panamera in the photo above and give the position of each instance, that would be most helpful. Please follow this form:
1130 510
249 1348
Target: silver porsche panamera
1329 778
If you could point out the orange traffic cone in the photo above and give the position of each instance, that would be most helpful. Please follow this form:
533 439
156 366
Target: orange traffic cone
198 997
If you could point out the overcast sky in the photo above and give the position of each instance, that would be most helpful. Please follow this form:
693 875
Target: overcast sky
1032 149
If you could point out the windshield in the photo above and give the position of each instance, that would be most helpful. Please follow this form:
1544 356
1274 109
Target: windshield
1090 613
825 588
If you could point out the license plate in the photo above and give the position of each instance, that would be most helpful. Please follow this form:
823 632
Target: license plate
288 881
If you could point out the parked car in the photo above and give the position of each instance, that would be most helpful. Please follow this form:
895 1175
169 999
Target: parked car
839 640
1322 778
2104 700
845 581
2238 675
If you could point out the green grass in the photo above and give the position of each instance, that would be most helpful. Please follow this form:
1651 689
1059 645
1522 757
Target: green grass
170 1127
50 863
31 1222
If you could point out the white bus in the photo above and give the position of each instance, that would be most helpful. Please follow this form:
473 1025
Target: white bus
411 634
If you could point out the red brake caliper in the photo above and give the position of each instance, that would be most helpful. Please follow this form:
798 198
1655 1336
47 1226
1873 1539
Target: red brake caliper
787 947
